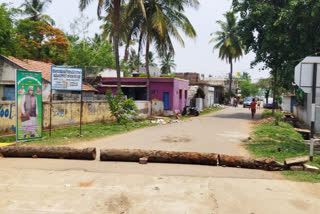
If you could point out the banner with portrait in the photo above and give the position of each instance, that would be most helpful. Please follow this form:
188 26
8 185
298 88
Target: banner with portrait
28 105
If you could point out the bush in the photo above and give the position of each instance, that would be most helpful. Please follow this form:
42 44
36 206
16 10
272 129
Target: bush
120 107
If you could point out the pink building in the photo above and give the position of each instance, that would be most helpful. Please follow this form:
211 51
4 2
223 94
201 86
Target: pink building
172 91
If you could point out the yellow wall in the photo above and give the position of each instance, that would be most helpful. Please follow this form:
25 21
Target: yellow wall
64 113
7 117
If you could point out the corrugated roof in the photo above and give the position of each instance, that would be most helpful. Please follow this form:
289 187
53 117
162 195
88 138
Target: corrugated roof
44 68
32 65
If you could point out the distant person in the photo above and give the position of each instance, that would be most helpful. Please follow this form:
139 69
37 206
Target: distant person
259 103
253 108
235 102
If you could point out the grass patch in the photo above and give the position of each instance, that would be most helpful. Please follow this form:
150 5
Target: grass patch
210 110
282 142
266 113
70 135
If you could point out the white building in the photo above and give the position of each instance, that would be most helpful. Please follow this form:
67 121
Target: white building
153 70
108 72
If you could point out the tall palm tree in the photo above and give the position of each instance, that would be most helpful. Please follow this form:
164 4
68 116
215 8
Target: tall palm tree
152 59
34 9
167 63
133 61
129 26
228 42
164 20
115 7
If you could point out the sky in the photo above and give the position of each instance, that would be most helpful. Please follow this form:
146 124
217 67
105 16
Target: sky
197 55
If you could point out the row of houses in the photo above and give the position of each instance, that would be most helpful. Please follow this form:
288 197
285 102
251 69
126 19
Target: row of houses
175 93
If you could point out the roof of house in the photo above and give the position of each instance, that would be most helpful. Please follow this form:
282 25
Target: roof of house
44 68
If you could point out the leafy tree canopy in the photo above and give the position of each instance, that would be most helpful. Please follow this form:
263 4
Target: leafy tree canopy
281 33
6 30
40 41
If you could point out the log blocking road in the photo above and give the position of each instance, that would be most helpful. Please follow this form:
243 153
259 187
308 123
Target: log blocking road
72 186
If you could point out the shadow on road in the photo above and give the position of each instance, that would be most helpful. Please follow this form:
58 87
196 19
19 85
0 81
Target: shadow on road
239 115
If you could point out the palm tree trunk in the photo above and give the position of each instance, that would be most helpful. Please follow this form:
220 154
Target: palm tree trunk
126 52
147 68
139 49
267 96
116 39
274 92
230 78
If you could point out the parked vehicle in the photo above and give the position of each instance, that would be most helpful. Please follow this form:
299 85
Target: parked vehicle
190 111
247 102
270 105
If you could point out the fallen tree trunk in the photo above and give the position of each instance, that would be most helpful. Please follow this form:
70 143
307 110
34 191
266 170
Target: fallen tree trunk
268 164
159 156
236 161
48 152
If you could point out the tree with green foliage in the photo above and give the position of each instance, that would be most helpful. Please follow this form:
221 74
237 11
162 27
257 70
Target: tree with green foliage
39 41
245 87
151 59
163 20
133 61
115 5
266 85
167 63
6 30
280 33
228 42
248 88
122 109
86 54
35 8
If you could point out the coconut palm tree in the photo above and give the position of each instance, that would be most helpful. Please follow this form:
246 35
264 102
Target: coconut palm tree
133 61
152 59
129 26
167 63
164 20
228 42
35 8
113 8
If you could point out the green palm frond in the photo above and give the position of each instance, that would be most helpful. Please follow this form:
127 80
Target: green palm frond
227 41
34 9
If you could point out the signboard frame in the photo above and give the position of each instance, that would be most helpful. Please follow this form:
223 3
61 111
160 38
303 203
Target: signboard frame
63 89
39 105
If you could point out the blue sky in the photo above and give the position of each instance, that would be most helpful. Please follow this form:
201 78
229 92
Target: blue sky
196 56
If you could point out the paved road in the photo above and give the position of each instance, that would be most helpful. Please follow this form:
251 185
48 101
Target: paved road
220 132
70 186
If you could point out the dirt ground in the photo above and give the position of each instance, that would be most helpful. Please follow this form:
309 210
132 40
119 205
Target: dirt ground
72 186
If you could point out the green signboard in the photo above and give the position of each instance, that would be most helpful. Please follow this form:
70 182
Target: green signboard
28 105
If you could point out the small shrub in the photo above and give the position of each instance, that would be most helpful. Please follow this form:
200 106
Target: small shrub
277 116
120 107
143 75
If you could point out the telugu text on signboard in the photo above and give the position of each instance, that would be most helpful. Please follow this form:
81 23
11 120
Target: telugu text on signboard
63 78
